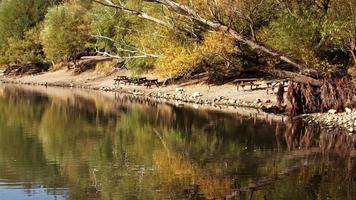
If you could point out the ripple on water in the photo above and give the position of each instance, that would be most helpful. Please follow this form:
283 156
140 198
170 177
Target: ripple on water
15 190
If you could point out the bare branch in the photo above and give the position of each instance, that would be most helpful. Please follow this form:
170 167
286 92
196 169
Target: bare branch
134 12
104 53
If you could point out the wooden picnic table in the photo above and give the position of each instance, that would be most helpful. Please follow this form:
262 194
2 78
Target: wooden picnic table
150 82
119 79
274 83
247 81
139 81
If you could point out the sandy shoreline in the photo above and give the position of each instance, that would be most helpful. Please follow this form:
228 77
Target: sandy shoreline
208 94
224 98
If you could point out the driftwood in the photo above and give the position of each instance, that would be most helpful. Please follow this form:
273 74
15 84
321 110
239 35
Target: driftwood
89 62
294 76
25 69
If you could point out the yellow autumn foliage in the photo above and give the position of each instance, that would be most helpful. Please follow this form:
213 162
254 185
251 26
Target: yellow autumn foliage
180 59
218 43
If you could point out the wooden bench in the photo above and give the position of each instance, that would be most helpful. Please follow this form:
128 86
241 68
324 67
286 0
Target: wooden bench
139 81
245 82
119 79
149 83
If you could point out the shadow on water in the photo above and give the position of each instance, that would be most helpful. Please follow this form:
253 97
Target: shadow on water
87 145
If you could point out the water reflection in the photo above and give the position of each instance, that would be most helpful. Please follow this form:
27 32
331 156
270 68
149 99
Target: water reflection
85 145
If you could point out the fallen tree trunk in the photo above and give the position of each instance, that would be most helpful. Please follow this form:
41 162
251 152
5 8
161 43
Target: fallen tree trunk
25 69
296 77
89 62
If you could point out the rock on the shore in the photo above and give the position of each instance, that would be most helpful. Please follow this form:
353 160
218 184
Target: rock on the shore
332 111
179 90
345 120
348 111
196 95
257 101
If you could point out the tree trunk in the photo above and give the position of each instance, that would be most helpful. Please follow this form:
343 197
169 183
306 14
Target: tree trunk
299 78
353 49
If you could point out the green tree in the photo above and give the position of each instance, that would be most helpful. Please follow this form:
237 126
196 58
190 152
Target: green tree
65 32
27 49
17 17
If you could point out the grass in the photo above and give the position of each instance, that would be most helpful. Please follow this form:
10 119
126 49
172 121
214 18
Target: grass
104 67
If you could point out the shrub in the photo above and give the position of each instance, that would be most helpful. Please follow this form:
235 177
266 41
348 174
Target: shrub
66 32
28 49
178 59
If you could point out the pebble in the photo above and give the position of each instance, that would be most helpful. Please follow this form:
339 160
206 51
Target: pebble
332 120
348 111
332 111
257 101
179 90
196 94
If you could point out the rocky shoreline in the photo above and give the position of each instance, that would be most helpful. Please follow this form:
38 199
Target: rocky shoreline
331 120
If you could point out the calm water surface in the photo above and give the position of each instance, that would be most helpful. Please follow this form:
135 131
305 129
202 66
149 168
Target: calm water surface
72 144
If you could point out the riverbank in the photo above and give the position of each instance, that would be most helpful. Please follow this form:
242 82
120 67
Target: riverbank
193 93
331 120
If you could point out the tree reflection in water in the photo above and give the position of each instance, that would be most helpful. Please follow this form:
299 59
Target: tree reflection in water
101 147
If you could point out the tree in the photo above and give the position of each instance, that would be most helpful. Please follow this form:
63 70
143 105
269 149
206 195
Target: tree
65 32
17 17
319 32
206 22
26 50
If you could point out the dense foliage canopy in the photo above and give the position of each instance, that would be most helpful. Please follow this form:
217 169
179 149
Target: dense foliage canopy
182 37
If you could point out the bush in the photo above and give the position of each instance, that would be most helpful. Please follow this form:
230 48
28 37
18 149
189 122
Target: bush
294 35
26 50
66 32
17 16
178 59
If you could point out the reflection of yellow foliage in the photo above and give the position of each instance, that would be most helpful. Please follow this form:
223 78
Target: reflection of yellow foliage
213 187
173 166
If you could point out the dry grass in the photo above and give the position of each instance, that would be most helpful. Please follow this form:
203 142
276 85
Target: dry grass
59 66
104 67
294 99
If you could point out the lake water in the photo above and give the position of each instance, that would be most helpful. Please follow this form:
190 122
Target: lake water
75 144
